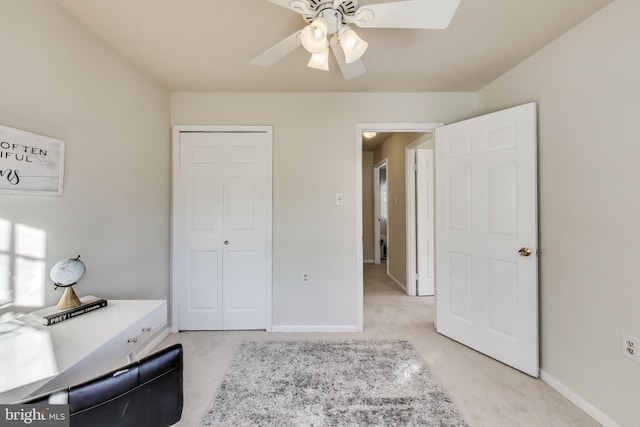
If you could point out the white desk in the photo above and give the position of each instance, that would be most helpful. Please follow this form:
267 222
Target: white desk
95 342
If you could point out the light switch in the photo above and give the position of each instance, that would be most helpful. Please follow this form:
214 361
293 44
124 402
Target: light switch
339 199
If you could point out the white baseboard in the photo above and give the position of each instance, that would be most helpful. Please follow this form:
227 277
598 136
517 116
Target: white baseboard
314 328
587 407
368 261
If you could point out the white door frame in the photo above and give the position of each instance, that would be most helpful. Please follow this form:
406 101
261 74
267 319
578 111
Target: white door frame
376 210
374 127
174 288
411 229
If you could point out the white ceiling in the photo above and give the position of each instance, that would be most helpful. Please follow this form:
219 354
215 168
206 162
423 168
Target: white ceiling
207 45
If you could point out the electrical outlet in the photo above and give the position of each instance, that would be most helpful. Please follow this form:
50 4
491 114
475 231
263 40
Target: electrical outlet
305 278
631 347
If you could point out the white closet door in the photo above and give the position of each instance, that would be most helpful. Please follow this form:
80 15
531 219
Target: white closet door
245 202
486 235
221 230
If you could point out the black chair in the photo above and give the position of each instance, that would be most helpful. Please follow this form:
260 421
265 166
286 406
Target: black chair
148 392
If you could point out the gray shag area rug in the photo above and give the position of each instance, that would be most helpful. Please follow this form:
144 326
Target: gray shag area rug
330 383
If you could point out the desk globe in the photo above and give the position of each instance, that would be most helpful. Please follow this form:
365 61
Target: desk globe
65 274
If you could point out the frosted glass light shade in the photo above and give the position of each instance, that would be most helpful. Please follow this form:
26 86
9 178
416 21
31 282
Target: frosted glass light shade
314 36
354 47
320 61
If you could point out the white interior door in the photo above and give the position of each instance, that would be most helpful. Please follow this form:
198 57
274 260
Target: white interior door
424 222
486 235
221 230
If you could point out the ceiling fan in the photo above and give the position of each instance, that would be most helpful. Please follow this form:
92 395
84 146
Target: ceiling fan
328 26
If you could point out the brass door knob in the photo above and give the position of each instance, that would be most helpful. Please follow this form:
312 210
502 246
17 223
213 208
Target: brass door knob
524 252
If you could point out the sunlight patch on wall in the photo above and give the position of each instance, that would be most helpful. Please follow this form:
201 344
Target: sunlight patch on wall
5 261
22 264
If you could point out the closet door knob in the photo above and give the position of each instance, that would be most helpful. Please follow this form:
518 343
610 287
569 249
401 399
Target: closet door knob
226 242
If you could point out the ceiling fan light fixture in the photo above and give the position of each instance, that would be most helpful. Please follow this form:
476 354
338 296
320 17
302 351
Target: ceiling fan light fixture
354 47
320 61
314 36
327 24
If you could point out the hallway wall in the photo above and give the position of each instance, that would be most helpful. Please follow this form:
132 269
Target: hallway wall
394 150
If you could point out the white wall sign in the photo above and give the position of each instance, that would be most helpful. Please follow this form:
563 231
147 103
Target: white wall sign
30 163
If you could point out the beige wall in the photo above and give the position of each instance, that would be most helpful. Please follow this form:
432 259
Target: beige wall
57 79
368 211
587 85
314 158
393 149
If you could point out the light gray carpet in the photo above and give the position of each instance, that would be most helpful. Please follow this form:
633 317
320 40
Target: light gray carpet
330 383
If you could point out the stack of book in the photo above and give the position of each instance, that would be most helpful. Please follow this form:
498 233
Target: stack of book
52 315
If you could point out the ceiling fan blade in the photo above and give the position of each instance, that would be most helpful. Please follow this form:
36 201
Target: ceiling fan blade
349 71
418 14
300 6
278 51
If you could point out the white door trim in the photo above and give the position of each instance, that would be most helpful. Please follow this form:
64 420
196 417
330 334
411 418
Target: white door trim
174 291
375 127
411 229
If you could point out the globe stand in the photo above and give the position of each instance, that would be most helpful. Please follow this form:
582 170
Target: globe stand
69 299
